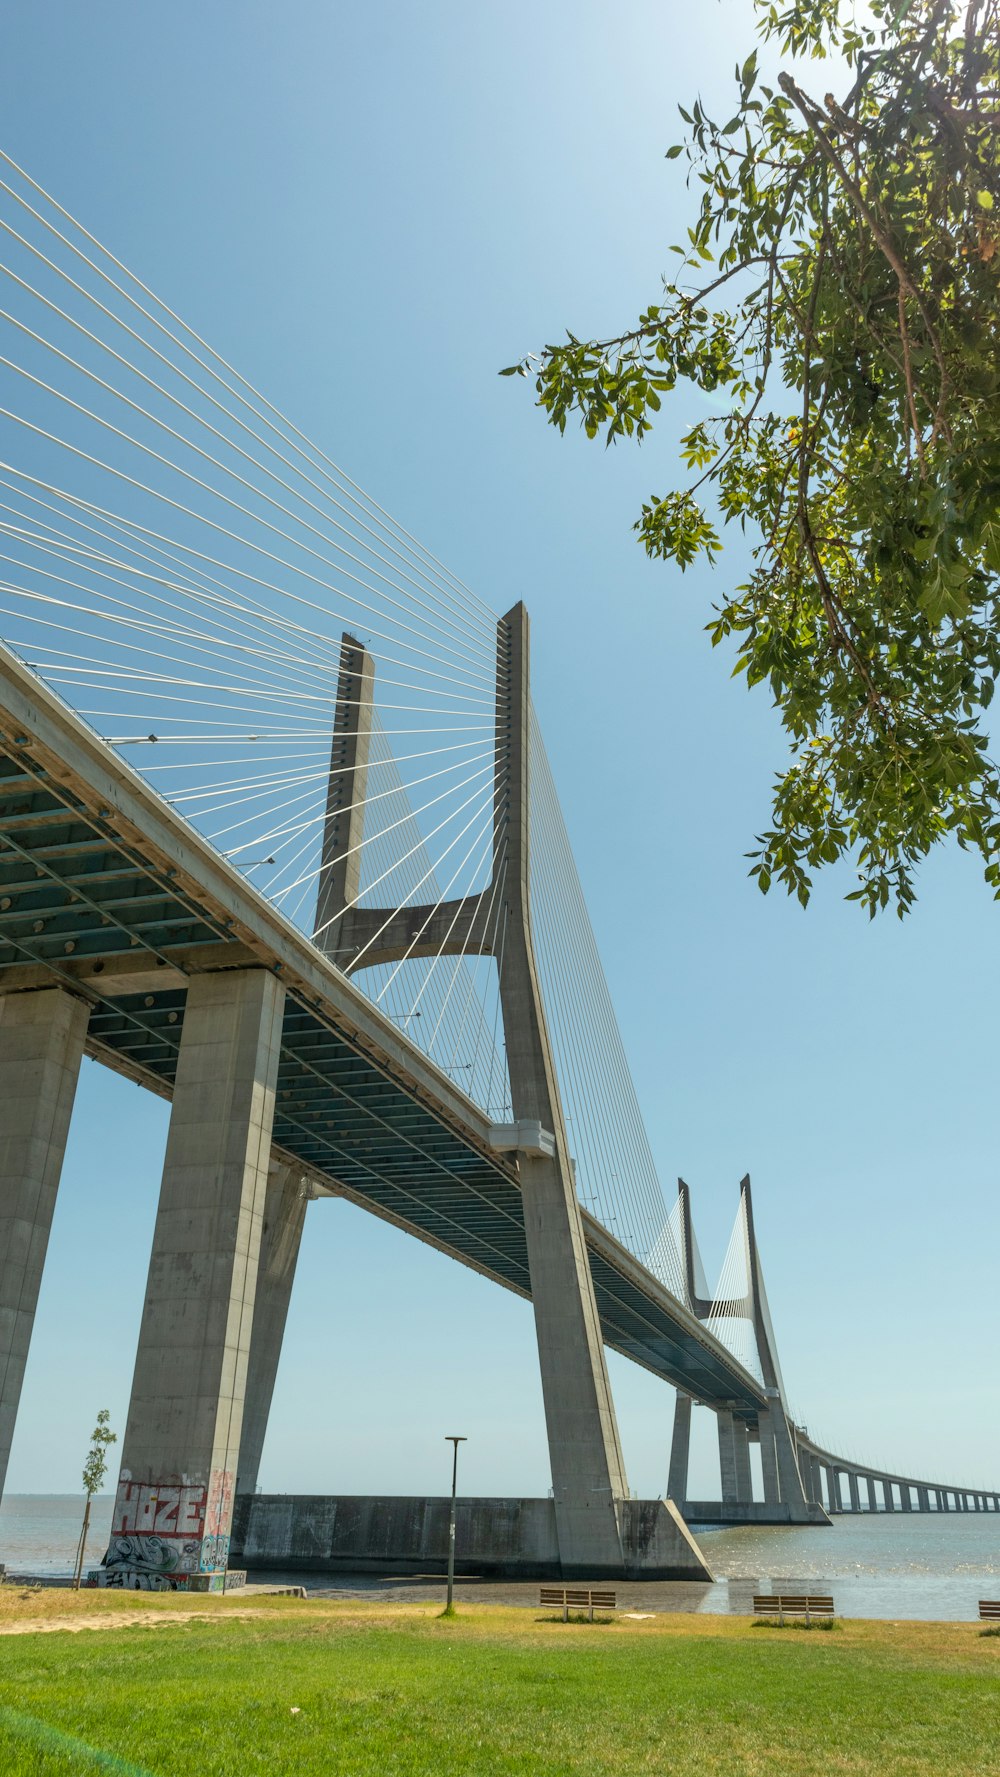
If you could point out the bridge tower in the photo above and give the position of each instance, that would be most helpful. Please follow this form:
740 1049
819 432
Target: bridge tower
588 1473
784 1490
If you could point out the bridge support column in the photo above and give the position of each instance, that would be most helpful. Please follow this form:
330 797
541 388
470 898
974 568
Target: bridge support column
872 1507
741 1457
174 1503
588 1473
888 1501
42 1036
833 1489
680 1449
923 1500
285 1204
855 1492
817 1479
768 1458
727 1457
905 1496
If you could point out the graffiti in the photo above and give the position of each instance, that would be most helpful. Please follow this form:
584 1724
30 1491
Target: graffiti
163 1533
153 1508
126 1579
153 1554
214 1554
219 1507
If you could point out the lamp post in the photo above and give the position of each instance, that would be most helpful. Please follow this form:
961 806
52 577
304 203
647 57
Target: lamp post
454 1442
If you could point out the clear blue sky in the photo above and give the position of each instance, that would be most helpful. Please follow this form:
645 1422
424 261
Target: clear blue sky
370 210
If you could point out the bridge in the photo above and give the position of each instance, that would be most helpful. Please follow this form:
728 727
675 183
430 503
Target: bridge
334 918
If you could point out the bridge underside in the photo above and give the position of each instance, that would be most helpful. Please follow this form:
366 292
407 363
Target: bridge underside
104 892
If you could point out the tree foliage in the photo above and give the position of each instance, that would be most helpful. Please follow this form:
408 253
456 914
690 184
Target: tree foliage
838 294
96 1466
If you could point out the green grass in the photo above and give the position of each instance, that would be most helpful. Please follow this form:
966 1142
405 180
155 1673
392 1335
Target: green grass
395 1692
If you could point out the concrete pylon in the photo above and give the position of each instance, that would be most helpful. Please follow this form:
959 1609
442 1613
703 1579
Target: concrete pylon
741 1455
680 1450
588 1474
42 1038
854 1490
768 1458
793 1492
887 1498
872 1506
774 1426
174 1503
285 1202
343 828
727 1456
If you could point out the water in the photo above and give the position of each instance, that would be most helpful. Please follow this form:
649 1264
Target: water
39 1532
881 1565
903 1565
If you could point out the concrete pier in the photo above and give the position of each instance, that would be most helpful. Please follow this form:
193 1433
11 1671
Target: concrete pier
769 1457
42 1037
854 1490
741 1458
285 1203
680 1449
174 1503
727 1458
872 1506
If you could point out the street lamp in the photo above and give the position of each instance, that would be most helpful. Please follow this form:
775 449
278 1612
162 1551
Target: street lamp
454 1441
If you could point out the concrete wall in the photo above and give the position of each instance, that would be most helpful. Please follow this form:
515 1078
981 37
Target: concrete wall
755 1511
498 1538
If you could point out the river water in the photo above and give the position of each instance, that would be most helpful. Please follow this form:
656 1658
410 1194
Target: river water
901 1565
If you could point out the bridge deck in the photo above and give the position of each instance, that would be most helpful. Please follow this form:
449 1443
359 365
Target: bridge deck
105 889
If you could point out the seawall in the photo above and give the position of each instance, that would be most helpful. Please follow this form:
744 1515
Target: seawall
494 1538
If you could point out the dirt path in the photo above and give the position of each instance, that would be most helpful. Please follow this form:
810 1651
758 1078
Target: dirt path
120 1619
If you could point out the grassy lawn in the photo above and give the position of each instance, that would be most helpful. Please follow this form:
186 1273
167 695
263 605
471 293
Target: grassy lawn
275 1686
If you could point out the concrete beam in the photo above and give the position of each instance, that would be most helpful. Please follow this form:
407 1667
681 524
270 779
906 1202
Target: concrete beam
42 1037
180 1452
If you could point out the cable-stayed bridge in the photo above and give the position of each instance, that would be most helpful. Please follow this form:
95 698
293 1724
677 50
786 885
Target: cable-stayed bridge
279 839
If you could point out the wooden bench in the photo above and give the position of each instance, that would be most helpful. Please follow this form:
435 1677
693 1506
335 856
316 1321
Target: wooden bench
588 1598
989 1610
793 1604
